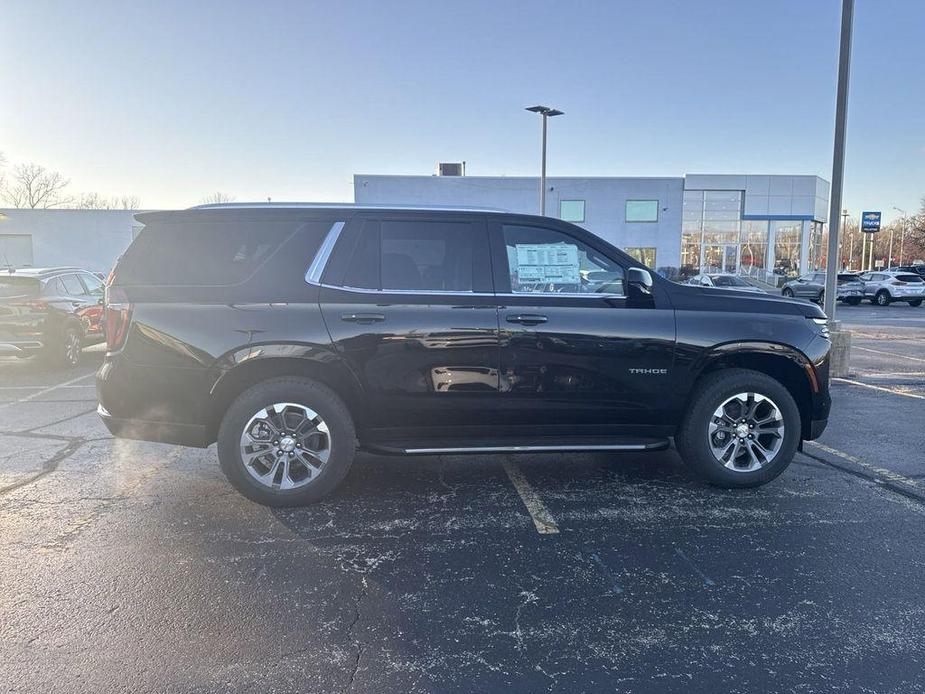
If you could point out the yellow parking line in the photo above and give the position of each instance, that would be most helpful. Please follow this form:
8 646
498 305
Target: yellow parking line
892 354
883 388
882 471
542 518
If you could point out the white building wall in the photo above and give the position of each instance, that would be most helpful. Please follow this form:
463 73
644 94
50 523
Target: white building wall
605 202
91 239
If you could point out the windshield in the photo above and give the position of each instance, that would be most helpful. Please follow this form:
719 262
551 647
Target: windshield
18 286
730 281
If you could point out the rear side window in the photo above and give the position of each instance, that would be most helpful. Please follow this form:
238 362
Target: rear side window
18 286
202 253
412 255
908 278
426 255
72 285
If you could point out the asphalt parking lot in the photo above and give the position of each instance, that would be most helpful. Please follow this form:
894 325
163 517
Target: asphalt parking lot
135 567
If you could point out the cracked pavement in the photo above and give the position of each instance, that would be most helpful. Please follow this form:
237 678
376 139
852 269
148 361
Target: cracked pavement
130 566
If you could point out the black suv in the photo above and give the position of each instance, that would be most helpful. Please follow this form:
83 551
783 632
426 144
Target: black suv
52 312
294 334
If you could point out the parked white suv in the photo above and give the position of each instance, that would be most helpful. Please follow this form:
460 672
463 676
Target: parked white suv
883 288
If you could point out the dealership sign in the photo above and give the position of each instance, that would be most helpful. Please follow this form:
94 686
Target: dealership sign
870 222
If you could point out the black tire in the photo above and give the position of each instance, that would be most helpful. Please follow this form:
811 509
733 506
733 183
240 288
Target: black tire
302 391
64 350
710 392
915 302
787 292
853 300
882 298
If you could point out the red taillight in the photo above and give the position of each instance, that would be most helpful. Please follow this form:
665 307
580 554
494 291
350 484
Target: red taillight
118 314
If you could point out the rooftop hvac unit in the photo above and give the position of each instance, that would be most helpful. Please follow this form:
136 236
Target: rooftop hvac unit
451 169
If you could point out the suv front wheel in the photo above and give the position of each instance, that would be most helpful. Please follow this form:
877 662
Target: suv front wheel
286 442
741 430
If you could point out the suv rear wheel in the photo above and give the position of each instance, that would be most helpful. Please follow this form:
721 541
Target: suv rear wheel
286 442
741 430
66 349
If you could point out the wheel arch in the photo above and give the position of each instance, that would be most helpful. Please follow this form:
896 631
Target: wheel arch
783 363
242 369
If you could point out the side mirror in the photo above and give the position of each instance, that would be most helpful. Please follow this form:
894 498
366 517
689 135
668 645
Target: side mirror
639 278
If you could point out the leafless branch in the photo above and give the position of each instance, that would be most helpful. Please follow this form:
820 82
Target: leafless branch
33 186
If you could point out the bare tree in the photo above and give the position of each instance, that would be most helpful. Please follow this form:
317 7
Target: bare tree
95 201
126 202
217 198
33 186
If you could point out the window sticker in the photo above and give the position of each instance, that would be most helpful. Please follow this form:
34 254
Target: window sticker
547 262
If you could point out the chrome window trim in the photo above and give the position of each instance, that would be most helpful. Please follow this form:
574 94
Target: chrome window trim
441 292
320 261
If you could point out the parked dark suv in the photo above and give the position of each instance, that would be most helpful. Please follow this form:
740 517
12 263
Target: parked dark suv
294 334
51 312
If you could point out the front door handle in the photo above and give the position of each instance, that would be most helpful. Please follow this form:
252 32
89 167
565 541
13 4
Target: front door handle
363 317
526 319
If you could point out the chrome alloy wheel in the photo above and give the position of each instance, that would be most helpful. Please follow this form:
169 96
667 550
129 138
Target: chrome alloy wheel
285 446
746 432
72 347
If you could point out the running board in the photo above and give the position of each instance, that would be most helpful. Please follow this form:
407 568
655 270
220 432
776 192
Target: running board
626 446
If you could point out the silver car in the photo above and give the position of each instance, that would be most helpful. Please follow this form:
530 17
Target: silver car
885 287
723 281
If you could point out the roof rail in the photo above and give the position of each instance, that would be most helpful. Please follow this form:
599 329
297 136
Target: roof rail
337 206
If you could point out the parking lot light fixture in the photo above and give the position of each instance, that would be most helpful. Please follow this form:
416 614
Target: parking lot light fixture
546 112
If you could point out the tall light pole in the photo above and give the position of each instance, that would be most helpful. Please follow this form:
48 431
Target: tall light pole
844 224
838 158
546 112
902 236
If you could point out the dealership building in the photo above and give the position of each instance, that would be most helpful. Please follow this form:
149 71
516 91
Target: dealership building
766 227
763 226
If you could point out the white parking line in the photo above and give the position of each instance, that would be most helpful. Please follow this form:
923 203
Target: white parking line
892 354
89 385
542 518
45 390
883 388
882 471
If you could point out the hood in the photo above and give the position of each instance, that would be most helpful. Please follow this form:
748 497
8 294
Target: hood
694 298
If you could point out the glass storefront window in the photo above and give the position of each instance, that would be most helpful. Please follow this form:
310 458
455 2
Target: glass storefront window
721 205
817 250
646 256
753 247
787 236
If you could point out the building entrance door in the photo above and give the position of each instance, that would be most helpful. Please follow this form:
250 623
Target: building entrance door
720 258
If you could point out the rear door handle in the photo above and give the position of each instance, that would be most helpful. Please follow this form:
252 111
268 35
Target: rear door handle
526 319
363 317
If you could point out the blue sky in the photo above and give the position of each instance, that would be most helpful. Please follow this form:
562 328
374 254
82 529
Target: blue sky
173 100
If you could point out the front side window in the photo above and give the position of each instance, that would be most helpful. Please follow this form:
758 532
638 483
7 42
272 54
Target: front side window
93 284
572 210
543 261
642 210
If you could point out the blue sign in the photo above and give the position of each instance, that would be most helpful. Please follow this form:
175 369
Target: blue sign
870 222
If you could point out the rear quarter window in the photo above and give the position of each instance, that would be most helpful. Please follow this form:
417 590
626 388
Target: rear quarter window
213 253
18 286
908 278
